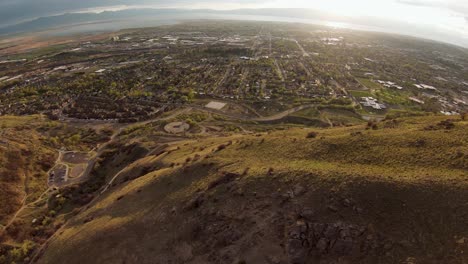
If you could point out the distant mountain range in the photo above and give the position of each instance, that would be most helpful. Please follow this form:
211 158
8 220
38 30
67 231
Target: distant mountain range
68 19
134 18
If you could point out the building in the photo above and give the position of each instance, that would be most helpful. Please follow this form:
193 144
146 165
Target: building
414 99
425 87
372 102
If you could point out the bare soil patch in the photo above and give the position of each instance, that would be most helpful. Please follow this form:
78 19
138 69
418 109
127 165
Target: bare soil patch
77 170
176 127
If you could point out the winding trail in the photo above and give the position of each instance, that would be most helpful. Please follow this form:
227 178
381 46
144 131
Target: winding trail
23 202
10 222
101 148
24 206
25 198
161 148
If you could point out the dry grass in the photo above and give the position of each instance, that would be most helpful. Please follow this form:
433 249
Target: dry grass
403 186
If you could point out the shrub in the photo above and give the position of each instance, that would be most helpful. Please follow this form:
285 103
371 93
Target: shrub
312 134
270 171
372 124
464 116
447 124
221 147
354 134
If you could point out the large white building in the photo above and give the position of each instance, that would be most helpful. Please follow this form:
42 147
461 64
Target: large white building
372 102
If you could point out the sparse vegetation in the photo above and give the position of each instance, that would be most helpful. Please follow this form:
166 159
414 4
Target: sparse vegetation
312 134
234 142
351 172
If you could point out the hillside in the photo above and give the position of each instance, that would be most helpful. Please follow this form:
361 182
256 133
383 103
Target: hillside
216 141
32 149
392 192
24 161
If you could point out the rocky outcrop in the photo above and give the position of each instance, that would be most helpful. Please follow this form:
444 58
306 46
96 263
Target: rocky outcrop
308 240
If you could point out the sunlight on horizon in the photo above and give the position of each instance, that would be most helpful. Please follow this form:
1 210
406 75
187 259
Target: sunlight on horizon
390 9
434 15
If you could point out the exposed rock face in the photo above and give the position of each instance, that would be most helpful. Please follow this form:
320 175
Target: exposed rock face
298 190
307 240
225 178
298 244
195 202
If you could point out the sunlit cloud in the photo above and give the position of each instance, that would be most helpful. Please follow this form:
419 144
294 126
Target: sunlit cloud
101 9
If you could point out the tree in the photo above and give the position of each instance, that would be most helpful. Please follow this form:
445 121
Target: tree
75 139
184 99
191 95
464 116
431 105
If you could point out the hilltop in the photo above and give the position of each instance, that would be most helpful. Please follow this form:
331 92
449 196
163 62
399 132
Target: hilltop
375 193
233 142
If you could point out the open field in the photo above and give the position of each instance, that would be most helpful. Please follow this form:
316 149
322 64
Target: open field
75 157
40 45
370 84
77 170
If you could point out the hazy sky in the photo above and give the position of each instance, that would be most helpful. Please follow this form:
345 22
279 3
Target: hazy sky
444 18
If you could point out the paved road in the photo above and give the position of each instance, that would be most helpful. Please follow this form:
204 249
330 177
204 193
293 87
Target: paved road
284 113
274 117
304 53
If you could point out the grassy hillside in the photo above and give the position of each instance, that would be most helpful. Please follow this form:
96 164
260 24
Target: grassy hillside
24 161
395 192
29 148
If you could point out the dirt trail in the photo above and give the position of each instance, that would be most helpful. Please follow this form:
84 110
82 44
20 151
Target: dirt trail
23 202
24 206
109 184
101 148
328 121
10 222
